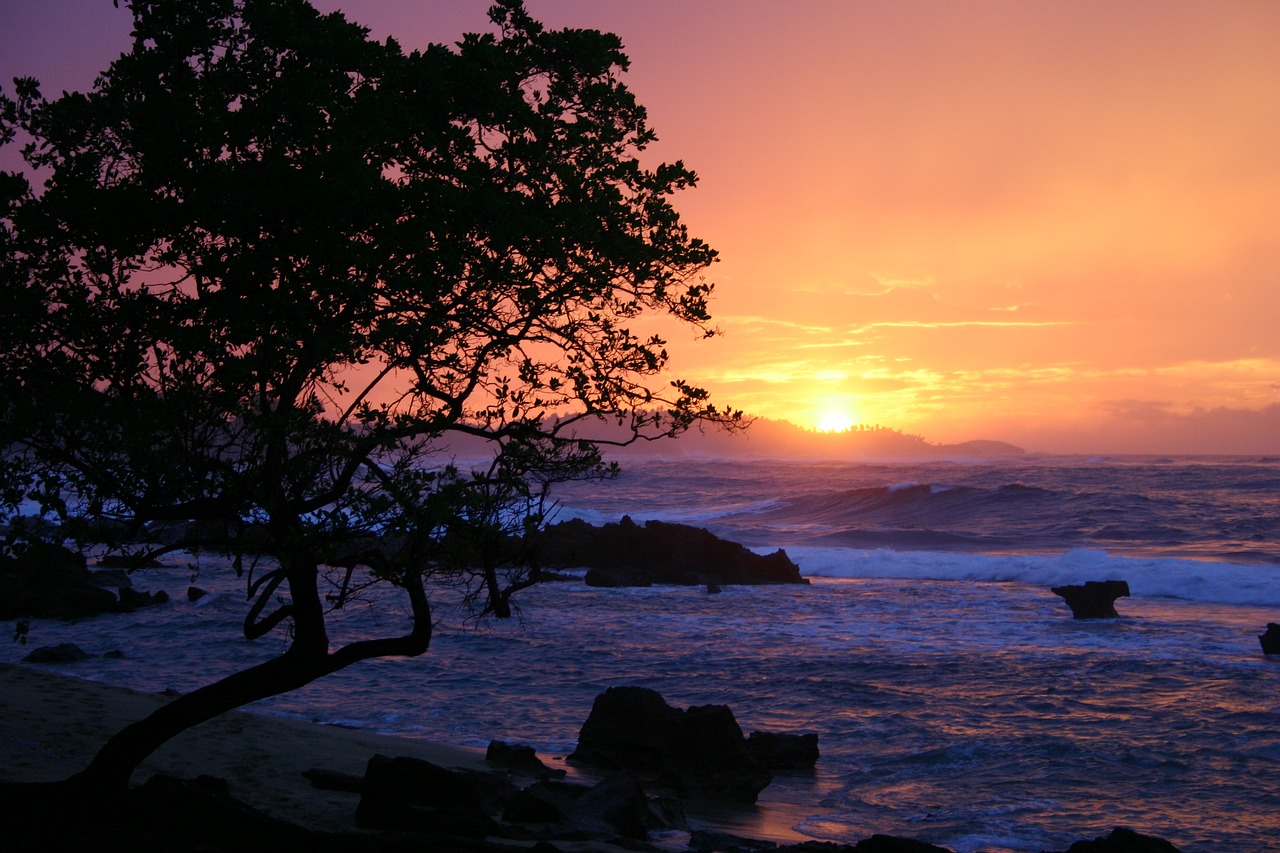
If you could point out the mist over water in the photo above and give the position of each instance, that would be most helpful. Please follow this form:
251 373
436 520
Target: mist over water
955 699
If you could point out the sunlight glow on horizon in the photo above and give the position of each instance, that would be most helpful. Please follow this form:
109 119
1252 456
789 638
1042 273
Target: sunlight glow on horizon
835 422
1047 224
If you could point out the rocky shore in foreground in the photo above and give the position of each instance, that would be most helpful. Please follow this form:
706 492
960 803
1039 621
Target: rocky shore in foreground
246 782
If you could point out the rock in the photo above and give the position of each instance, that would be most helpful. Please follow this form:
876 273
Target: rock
131 599
111 578
895 844
519 759
713 841
332 780
49 582
699 752
545 802
628 728
1093 600
1123 840
1270 639
129 561
617 805
779 751
874 844
707 758
61 653
195 593
414 795
628 554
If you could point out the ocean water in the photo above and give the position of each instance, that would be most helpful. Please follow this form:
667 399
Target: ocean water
955 698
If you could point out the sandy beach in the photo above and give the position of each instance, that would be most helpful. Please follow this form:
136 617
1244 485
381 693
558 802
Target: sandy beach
51 725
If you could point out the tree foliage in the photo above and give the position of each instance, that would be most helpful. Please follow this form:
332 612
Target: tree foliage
263 271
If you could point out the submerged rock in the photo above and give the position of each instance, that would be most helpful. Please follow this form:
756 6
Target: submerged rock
61 653
629 554
1093 600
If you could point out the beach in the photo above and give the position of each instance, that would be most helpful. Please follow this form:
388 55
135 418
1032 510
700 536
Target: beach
51 725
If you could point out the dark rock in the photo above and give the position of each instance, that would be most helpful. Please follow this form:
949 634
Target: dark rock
417 796
61 653
128 561
1093 600
617 805
628 554
874 844
779 751
628 727
699 752
332 780
894 844
543 803
1270 639
1123 840
114 654
195 593
111 578
519 759
706 757
131 599
712 841
49 582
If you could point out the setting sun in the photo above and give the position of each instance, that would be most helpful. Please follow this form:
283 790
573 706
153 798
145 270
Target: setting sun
835 422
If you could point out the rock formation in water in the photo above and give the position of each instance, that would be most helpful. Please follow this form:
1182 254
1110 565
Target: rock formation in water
1093 599
698 752
50 582
629 554
1270 639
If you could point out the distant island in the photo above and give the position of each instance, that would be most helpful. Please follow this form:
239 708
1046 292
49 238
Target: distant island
776 439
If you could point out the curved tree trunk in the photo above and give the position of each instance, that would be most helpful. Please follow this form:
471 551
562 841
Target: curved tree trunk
308 658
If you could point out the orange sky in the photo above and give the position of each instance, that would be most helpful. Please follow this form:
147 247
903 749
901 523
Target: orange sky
1050 223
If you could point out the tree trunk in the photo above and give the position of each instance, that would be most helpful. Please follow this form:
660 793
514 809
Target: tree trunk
113 766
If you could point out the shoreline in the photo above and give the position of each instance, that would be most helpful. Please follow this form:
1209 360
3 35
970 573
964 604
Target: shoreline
51 724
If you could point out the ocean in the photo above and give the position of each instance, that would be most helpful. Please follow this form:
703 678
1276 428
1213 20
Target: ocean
954 697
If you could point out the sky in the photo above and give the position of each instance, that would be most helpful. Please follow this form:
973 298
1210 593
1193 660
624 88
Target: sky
1055 224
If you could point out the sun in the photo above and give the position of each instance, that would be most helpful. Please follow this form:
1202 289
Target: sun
835 422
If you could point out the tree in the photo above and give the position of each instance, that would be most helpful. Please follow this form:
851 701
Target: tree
272 266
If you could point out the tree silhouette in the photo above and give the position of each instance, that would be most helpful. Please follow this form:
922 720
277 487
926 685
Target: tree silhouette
267 266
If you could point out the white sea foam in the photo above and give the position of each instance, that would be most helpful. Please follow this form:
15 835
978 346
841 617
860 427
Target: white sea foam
1192 580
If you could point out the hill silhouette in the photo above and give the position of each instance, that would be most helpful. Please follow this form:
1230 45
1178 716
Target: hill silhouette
777 439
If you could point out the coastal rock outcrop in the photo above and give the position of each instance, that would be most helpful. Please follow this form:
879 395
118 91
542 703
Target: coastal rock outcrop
657 552
413 795
519 759
1270 639
48 581
784 752
1123 840
616 805
698 752
1093 599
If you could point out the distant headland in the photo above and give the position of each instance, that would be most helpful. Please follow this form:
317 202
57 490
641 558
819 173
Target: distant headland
778 439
